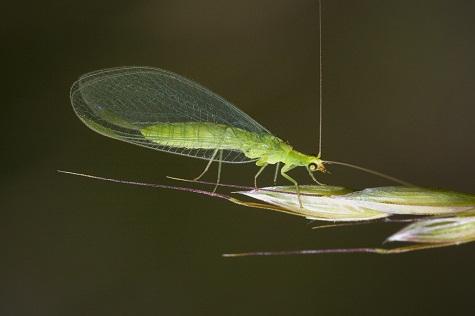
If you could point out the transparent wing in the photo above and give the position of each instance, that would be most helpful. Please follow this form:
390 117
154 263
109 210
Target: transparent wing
119 102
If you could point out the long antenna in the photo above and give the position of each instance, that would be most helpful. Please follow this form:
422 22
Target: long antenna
320 68
376 173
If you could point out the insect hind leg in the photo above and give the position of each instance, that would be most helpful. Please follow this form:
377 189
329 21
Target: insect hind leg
276 172
258 174
208 165
220 162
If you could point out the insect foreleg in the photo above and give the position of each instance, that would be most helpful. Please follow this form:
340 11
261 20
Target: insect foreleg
220 162
207 166
258 173
313 177
284 174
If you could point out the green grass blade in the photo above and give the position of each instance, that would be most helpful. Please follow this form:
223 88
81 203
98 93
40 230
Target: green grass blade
458 229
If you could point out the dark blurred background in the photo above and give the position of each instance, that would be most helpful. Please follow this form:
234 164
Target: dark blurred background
399 98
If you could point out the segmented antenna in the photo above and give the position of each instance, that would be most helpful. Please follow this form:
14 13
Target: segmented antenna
370 171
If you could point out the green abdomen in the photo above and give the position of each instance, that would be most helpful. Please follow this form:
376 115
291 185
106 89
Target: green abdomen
195 135
201 136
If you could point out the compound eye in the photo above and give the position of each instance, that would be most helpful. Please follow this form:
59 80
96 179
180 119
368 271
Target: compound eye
312 167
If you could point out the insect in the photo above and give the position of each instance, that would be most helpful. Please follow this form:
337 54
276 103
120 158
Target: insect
161 110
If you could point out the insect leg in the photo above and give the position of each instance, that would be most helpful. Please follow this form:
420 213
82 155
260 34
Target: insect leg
258 173
220 162
284 174
207 166
276 172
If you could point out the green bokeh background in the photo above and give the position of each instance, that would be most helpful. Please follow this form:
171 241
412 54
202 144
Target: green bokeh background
399 97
